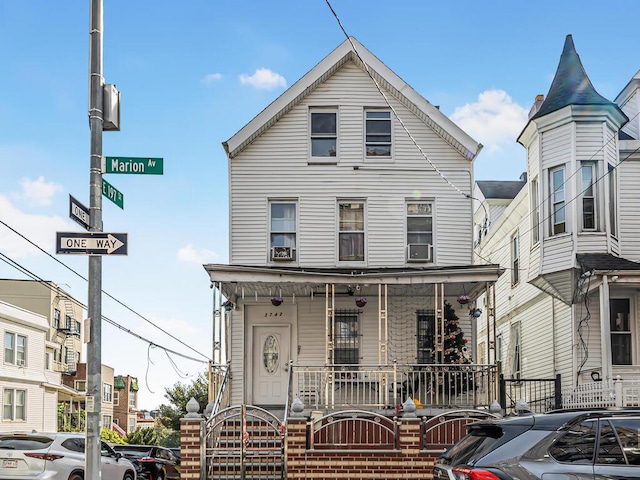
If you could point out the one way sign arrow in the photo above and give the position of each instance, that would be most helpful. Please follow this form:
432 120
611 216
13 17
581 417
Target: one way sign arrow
91 243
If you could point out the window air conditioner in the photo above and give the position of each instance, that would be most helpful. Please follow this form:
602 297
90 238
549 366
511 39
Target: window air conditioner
419 252
20 362
281 254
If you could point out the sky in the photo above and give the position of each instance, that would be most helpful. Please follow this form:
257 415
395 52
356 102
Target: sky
191 74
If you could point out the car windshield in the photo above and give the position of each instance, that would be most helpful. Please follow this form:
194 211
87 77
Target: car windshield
474 444
134 453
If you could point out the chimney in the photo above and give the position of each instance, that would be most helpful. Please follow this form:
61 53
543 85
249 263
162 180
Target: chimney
536 105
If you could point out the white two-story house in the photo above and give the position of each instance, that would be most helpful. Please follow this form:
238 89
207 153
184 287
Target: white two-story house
568 303
351 242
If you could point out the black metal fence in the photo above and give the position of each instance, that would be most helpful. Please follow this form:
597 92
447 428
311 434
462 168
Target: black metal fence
538 395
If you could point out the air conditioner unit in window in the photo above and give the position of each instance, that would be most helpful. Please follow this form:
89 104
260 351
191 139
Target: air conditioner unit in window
20 362
282 254
419 252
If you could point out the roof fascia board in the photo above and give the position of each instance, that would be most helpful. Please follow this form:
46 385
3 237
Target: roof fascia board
629 88
229 273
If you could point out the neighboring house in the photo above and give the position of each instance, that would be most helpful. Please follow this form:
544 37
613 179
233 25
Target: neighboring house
346 240
25 379
63 316
78 381
125 403
569 302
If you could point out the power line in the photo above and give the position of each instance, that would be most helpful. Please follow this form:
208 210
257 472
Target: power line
106 293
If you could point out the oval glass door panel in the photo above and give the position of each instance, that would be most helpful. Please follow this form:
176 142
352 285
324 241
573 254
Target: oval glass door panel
271 353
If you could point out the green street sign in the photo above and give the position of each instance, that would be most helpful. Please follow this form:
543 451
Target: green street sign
112 193
138 165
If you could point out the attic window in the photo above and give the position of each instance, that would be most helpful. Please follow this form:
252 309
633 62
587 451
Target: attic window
324 134
378 133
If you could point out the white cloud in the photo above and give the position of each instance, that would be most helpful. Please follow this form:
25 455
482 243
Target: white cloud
189 254
264 79
38 192
40 229
494 120
212 77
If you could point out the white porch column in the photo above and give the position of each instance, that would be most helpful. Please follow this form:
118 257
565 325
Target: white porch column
605 329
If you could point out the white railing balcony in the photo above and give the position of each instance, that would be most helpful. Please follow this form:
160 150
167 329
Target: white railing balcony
382 387
615 393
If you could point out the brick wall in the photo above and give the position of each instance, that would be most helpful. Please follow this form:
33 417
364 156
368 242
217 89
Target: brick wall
190 440
409 462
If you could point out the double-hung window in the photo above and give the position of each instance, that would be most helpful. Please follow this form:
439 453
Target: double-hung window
378 133
515 259
588 189
613 222
558 211
621 338
351 232
15 349
346 338
419 232
516 365
107 392
282 230
13 404
535 212
67 322
56 318
324 134
132 398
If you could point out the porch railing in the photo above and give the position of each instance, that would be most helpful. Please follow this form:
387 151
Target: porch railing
540 394
615 393
385 386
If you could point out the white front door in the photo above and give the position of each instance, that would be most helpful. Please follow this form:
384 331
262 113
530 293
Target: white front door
271 355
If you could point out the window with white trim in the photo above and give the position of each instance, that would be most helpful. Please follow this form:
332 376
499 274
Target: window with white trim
116 398
324 134
56 318
620 326
514 340
588 192
13 405
377 133
132 398
107 392
106 421
351 231
15 349
558 211
535 212
282 230
419 232
613 195
132 425
515 259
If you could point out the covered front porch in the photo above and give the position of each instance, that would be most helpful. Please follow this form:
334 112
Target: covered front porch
338 339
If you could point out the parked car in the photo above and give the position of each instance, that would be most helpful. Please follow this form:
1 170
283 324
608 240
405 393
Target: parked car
56 456
570 444
152 462
176 451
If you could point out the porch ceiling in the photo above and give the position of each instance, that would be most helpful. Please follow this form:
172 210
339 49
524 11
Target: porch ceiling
238 280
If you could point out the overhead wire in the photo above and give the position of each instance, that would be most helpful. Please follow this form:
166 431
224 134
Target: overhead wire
47 284
105 293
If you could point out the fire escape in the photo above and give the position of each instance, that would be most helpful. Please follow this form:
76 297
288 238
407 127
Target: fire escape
71 334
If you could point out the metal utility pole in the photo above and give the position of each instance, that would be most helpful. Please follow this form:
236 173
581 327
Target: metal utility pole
94 354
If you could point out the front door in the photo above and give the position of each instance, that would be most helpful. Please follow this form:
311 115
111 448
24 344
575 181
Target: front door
271 355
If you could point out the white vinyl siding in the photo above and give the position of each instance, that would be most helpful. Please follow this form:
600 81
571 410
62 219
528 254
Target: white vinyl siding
284 149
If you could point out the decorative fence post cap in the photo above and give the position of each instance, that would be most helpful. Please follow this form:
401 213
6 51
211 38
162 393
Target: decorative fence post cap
192 409
409 408
297 407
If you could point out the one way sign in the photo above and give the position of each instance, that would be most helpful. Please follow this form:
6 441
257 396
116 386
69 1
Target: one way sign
91 243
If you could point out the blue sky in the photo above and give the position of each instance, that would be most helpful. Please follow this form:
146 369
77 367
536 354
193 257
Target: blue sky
193 73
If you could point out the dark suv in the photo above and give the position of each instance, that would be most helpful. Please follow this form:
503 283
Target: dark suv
563 444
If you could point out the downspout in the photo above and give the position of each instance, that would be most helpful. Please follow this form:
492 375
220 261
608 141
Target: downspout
605 331
553 335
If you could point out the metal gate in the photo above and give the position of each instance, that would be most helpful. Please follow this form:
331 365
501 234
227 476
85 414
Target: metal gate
244 443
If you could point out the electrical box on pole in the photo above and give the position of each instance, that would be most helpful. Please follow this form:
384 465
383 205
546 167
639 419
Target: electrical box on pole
111 108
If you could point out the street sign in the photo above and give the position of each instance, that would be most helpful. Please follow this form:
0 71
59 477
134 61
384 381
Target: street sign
91 243
79 213
112 193
139 165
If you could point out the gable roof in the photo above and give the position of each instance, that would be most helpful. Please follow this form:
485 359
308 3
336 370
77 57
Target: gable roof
571 85
387 80
500 189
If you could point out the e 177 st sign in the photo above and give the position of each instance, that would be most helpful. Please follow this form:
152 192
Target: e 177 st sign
91 243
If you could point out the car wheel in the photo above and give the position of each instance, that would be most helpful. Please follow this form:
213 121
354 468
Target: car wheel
128 476
160 476
76 476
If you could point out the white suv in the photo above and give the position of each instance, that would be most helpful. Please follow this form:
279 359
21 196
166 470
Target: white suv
56 456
